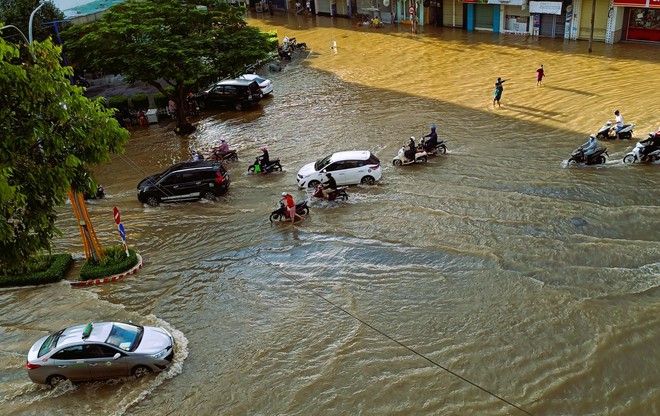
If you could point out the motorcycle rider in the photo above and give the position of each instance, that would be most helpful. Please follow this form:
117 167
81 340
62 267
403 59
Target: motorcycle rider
432 142
651 144
330 186
618 125
264 159
588 148
412 149
290 205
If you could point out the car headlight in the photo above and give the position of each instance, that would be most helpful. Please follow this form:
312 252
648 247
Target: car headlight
160 354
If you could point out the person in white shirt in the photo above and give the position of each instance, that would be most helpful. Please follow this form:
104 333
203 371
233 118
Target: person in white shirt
618 125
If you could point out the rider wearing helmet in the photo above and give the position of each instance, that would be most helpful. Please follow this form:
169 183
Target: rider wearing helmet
330 186
432 142
589 147
264 159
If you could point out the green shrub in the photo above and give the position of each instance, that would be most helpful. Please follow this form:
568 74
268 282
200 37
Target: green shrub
120 102
44 269
161 101
114 262
140 101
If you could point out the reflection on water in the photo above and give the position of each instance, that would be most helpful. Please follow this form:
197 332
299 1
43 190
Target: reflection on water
533 280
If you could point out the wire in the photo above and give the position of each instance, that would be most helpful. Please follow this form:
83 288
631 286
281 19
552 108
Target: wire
305 286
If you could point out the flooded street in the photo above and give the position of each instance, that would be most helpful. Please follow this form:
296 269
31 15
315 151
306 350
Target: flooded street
536 282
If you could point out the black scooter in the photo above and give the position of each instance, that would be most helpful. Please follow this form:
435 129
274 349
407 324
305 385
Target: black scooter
272 166
597 158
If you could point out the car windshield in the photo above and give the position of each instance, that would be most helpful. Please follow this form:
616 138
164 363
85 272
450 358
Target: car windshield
49 343
259 80
125 336
321 163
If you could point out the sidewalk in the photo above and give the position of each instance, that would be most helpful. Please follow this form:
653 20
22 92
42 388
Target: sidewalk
113 85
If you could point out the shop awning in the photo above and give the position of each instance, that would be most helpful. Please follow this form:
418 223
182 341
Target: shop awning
508 2
647 4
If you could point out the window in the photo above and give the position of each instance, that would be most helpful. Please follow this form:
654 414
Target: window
187 177
125 336
171 179
69 353
373 160
49 343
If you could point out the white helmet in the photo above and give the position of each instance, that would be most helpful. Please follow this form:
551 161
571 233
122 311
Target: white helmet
593 136
283 193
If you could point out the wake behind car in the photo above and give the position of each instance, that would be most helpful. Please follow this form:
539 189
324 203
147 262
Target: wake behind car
99 350
348 168
184 182
236 93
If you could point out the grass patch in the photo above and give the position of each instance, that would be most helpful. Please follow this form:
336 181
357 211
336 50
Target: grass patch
114 262
44 269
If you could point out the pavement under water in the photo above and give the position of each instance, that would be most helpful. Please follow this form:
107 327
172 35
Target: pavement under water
536 281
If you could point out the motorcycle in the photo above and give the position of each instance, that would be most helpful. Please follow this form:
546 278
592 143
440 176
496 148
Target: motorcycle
219 155
439 149
401 159
625 133
293 43
272 166
637 154
282 214
596 158
100 193
340 193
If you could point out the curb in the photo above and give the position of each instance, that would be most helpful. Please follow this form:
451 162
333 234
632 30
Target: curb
114 278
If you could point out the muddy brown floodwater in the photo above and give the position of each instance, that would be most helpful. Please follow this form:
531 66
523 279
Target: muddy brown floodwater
534 280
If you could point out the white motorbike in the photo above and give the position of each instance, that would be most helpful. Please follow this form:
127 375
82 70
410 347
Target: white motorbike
400 159
604 132
637 154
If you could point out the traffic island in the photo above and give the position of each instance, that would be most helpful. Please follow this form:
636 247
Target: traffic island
42 270
115 266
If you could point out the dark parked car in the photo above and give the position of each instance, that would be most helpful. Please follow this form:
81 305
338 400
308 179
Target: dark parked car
183 182
236 93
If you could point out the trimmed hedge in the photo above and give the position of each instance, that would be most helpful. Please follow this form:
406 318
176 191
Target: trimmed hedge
140 101
161 101
49 269
114 262
120 102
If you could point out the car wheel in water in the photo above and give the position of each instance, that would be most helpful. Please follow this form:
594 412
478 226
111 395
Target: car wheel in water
153 201
209 195
629 159
238 106
141 371
368 180
313 184
397 162
275 217
55 379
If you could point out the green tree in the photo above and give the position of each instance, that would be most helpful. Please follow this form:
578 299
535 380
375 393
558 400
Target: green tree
17 13
49 134
163 42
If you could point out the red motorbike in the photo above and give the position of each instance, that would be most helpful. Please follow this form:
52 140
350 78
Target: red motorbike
282 214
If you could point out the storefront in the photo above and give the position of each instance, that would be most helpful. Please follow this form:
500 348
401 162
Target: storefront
549 18
641 19
452 13
514 16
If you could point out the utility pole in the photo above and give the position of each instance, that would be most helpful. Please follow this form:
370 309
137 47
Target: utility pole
593 18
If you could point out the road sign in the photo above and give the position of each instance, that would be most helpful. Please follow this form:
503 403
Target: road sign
411 9
122 232
115 213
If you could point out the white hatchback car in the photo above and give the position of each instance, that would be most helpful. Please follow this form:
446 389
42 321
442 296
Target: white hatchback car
348 168
266 85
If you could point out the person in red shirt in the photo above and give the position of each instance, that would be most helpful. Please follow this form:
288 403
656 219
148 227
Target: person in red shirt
540 73
291 206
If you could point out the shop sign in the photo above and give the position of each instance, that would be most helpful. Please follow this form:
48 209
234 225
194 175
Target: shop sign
652 4
508 2
545 7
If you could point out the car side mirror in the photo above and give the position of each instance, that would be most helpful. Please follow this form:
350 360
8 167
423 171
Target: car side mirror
116 356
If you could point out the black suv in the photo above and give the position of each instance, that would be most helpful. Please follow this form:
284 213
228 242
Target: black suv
185 181
237 93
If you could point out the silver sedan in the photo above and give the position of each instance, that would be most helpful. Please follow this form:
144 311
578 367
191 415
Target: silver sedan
99 350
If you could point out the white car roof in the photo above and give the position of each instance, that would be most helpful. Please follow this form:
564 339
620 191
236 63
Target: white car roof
350 155
73 334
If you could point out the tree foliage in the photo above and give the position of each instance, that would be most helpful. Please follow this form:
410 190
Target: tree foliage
171 42
17 13
50 135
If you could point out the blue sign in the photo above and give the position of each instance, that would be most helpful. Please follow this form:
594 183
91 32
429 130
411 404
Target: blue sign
122 232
